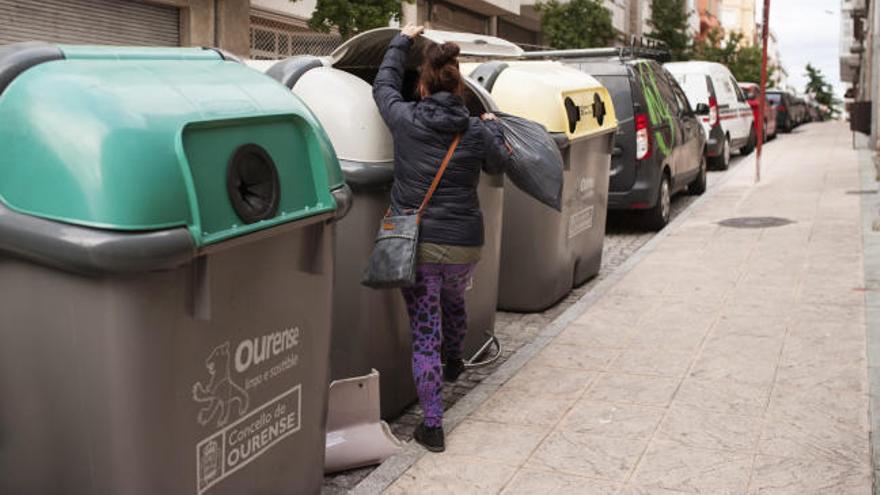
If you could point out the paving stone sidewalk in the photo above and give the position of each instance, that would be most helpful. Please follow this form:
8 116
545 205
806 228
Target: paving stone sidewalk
724 359
623 238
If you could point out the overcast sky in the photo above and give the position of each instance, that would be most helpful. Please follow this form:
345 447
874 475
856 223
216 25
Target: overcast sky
808 31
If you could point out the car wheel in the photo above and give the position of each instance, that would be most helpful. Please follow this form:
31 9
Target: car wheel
657 217
750 144
698 186
722 161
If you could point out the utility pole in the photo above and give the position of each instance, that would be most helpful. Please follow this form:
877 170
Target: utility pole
762 102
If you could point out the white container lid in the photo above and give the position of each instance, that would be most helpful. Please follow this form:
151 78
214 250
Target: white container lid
344 105
367 49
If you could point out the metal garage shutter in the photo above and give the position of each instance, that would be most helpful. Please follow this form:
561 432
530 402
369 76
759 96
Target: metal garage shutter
104 22
454 18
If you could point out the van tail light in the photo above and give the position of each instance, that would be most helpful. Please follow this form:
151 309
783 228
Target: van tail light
780 108
643 137
713 111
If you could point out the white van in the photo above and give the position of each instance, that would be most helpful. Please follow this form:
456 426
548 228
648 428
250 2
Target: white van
724 112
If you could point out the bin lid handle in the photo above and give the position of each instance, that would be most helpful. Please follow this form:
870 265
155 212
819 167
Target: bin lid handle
19 57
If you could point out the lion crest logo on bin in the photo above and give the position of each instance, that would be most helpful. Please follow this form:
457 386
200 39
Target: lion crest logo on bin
220 395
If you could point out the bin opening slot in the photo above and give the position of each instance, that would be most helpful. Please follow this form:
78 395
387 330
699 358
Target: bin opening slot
252 183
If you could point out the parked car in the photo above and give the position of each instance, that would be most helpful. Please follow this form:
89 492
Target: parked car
802 112
659 146
753 96
815 112
726 115
787 111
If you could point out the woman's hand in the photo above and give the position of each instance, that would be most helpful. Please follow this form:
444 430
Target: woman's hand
488 116
411 31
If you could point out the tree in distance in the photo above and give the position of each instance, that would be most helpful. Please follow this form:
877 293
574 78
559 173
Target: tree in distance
822 91
350 17
743 60
669 24
576 24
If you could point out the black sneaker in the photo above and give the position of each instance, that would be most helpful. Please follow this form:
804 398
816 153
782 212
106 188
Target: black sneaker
454 368
430 437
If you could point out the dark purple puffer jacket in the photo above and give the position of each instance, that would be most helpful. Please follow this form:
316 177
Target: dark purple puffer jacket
422 133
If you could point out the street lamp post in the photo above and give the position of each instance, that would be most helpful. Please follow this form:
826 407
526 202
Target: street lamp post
763 98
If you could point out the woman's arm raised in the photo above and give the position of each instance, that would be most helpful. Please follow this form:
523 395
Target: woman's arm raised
389 80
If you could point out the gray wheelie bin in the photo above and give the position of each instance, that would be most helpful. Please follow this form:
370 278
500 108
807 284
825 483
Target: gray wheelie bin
545 254
371 328
167 268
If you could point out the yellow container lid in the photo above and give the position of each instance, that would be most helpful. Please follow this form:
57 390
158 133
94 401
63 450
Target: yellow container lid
547 92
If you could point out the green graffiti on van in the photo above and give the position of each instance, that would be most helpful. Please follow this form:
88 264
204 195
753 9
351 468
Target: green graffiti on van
658 111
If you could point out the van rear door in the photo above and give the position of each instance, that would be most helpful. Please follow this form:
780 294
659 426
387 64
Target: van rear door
694 86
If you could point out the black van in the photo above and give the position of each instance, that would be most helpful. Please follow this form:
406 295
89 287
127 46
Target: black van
659 147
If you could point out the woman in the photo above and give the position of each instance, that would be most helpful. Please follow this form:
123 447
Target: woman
451 234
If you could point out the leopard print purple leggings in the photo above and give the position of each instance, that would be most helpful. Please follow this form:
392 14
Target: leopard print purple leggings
437 318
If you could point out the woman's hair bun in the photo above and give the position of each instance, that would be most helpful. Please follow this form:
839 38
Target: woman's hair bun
448 52
440 55
440 69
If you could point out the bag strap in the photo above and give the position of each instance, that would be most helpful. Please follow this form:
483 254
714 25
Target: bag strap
439 175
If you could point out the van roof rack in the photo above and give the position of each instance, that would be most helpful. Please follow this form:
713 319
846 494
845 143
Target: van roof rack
639 47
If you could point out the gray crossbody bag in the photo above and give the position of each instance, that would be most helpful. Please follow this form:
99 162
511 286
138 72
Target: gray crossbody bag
393 260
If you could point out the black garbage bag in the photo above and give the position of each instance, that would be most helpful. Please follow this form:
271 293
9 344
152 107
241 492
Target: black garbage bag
536 163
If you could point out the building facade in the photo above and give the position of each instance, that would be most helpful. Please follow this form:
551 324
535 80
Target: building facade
709 12
271 29
774 58
279 26
287 22
643 19
128 22
619 15
279 29
517 21
640 17
738 16
860 66
693 17
850 44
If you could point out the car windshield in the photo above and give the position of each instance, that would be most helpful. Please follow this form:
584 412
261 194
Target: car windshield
695 87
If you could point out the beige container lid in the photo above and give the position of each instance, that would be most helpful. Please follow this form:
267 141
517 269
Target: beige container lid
542 91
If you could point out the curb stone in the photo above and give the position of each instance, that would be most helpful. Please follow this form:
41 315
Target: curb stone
871 266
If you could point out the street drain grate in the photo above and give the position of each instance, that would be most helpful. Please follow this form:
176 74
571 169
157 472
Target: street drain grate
862 191
754 222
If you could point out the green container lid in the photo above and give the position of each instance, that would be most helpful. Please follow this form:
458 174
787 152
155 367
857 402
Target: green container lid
140 139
